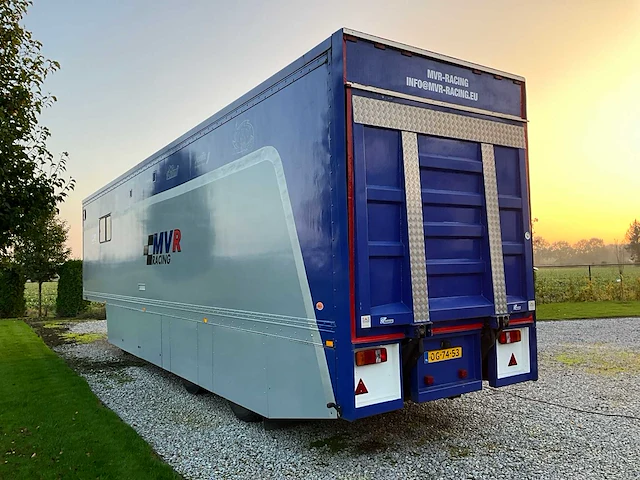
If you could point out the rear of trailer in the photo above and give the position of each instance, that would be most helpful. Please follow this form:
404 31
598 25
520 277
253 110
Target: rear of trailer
351 234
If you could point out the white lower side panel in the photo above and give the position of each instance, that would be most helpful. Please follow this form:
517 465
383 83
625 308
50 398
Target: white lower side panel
520 352
382 380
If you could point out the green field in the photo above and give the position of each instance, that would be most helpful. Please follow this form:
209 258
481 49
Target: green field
53 426
572 284
49 293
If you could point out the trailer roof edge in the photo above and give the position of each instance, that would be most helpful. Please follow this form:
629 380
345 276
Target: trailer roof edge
428 53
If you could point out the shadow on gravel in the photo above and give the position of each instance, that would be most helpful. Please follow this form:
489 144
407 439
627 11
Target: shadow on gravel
57 333
51 331
425 427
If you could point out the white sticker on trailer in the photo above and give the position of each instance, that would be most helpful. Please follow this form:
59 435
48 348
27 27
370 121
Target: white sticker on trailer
382 380
514 358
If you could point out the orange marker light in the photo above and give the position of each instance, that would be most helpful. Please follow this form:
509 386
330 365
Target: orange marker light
371 356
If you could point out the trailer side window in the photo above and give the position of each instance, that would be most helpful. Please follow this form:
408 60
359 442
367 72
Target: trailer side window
105 228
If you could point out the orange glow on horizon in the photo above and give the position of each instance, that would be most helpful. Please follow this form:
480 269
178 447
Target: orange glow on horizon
585 148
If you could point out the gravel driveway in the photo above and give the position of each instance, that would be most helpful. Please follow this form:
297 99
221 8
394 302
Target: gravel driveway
590 365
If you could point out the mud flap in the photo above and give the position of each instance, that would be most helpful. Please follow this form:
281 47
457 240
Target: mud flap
514 362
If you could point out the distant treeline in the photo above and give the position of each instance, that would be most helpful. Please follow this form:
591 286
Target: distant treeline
592 251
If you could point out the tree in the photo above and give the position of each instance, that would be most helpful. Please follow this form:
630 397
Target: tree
12 302
590 251
540 250
32 181
69 301
533 226
633 241
562 252
42 251
619 251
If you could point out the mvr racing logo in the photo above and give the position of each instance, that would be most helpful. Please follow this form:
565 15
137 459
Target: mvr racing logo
160 246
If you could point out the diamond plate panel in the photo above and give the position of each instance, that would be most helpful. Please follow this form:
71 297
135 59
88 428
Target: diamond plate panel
417 259
378 113
493 226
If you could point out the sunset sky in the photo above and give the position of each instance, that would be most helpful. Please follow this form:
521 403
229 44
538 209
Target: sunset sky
135 75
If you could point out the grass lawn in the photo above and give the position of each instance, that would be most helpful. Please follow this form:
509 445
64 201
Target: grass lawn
51 424
578 310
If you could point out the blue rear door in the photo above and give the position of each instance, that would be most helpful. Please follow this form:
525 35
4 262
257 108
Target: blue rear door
442 217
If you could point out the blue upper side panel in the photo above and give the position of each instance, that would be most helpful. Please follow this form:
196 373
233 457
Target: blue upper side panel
390 69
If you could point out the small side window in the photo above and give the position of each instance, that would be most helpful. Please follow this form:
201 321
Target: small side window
108 228
104 228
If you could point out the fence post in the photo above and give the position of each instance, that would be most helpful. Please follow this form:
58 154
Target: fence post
589 272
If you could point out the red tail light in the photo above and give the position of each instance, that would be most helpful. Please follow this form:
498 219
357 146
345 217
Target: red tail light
510 336
369 357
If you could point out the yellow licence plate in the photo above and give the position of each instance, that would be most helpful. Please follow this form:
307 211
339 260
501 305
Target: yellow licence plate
444 354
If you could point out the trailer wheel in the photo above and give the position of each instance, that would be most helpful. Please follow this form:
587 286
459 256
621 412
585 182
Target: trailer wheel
244 414
192 388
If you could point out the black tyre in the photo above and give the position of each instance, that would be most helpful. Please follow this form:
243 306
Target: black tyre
192 388
244 414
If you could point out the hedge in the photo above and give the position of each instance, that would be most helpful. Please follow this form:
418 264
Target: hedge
69 302
12 302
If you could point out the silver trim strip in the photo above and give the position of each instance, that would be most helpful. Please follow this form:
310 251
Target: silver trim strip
427 53
428 101
207 310
221 325
396 116
415 222
494 230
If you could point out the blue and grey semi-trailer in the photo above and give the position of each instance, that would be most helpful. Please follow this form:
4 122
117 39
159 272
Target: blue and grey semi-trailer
351 234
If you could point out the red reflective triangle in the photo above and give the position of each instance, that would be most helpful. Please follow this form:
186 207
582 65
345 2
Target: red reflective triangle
513 361
360 389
